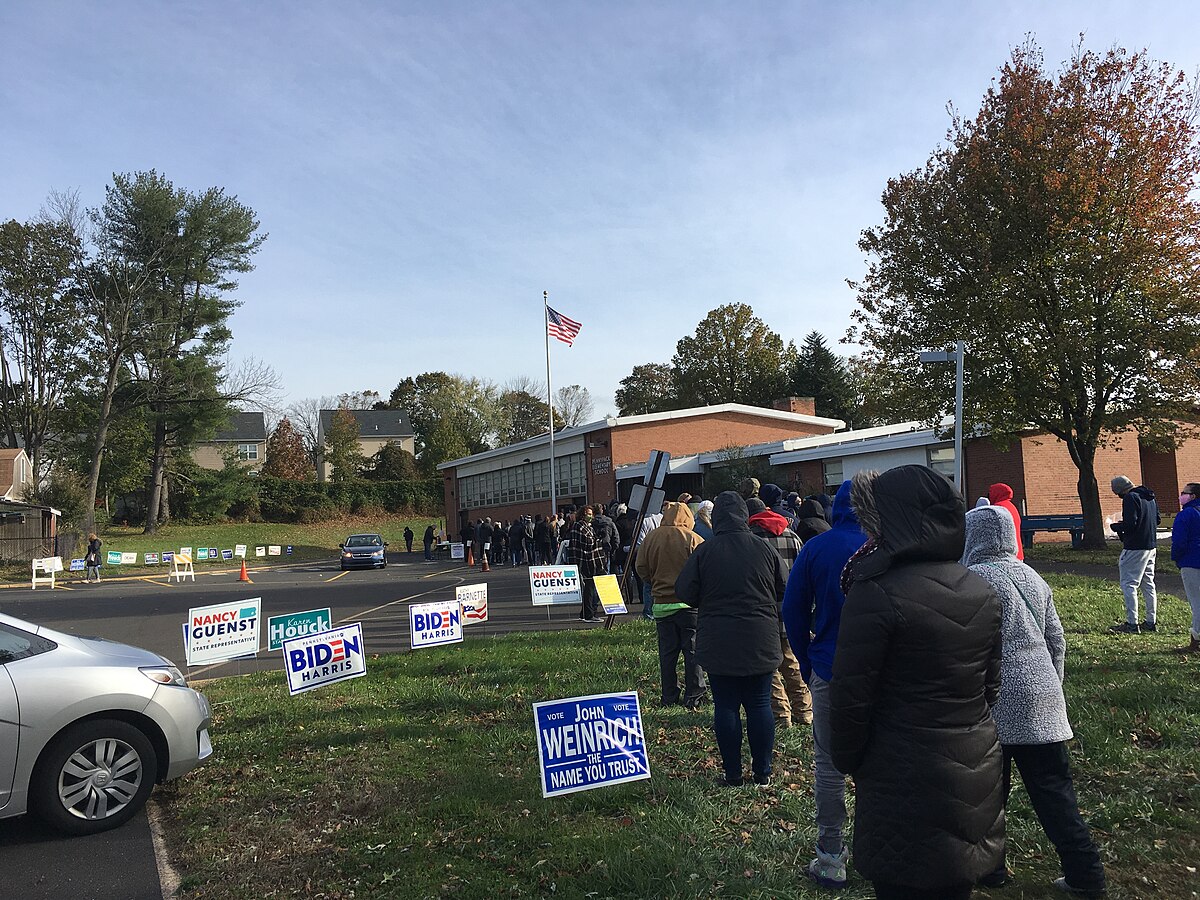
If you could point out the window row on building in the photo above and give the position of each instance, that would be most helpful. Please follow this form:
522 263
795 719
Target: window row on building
529 481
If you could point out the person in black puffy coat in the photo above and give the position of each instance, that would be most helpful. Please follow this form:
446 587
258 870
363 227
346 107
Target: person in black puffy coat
736 580
915 674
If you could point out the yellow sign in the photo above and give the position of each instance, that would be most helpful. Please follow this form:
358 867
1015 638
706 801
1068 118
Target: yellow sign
609 591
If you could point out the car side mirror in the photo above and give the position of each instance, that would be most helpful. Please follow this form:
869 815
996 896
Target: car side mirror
385 543
341 546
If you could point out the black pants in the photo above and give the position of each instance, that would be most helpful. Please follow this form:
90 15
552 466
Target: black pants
676 635
886 891
591 602
1046 771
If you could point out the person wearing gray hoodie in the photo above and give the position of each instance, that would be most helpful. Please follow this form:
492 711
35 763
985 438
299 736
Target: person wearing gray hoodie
1031 713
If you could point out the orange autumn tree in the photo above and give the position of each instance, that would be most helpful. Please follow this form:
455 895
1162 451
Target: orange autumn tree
1058 233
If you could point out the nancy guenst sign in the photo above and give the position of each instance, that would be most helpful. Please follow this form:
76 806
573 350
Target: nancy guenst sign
296 625
554 584
223 631
325 658
590 742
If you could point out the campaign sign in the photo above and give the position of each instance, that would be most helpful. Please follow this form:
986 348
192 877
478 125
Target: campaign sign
202 553
226 554
260 551
78 565
168 556
240 550
114 557
212 553
296 625
473 599
325 658
185 551
554 584
150 558
590 742
288 549
223 631
129 558
458 551
274 550
434 624
609 591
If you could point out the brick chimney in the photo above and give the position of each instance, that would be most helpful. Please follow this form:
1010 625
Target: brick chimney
806 406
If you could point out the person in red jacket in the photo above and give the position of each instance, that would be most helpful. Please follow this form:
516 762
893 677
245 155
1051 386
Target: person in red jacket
1000 494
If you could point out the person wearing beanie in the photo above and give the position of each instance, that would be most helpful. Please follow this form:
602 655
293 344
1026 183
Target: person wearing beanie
1138 531
703 524
748 487
1001 495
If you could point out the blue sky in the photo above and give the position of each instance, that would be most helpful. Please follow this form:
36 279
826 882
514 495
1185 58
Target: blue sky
426 170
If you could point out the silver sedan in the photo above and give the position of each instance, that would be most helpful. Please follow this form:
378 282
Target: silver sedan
88 726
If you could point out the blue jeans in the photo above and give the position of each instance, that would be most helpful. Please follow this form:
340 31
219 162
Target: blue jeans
647 602
730 694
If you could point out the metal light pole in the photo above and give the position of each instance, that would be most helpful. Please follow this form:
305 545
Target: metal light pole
956 356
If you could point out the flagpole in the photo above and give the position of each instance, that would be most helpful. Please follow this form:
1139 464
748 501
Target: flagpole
549 396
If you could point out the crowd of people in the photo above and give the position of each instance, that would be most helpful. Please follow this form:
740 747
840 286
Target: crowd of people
927 657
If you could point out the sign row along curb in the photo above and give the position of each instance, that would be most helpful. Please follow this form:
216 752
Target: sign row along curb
583 742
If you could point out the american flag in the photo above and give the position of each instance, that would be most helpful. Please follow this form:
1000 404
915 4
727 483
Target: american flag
559 326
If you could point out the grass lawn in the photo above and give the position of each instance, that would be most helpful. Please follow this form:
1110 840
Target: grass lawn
421 780
1063 552
308 542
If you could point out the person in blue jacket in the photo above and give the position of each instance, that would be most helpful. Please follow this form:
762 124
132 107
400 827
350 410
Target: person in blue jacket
1185 553
812 611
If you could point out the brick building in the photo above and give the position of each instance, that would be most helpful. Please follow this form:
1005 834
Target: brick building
514 480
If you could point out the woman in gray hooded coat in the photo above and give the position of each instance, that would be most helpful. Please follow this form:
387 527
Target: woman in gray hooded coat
1031 714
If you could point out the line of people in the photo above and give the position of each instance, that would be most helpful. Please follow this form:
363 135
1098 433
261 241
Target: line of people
931 660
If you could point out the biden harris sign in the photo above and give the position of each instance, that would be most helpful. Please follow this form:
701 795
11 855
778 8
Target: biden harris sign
325 658
434 624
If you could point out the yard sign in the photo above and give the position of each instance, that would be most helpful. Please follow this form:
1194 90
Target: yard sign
590 742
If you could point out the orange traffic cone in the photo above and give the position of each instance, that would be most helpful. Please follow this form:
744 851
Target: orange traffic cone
470 556
245 576
484 567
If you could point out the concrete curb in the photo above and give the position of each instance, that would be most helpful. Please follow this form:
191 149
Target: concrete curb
168 878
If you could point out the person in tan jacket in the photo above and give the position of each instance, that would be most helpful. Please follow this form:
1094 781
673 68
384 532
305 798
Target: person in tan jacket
659 561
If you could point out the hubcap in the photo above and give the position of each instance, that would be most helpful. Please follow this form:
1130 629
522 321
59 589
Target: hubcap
99 779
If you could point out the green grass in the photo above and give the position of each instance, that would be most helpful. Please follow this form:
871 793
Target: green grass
421 780
1063 552
309 542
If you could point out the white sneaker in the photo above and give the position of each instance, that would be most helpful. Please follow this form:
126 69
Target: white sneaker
829 871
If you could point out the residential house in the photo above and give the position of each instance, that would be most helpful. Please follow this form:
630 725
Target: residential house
16 474
377 428
246 436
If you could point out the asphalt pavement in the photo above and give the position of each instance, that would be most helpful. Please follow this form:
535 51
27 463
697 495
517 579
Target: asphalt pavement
148 611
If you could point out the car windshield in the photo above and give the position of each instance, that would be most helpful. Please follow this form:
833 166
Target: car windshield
363 540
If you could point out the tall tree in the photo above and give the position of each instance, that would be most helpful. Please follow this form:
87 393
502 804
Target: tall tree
194 244
342 450
733 357
649 388
1058 233
451 416
287 456
823 375
521 415
41 353
574 403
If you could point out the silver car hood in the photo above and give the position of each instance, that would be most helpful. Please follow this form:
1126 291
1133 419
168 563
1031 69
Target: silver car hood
96 646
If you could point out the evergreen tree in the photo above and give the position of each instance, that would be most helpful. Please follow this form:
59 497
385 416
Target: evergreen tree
823 375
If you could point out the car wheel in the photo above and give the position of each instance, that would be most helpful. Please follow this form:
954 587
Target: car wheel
94 776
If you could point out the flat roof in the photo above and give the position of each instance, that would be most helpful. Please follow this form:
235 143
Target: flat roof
649 418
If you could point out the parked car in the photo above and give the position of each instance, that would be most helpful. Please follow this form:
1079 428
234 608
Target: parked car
88 726
364 551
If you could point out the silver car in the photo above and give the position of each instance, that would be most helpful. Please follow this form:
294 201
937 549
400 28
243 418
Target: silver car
88 726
